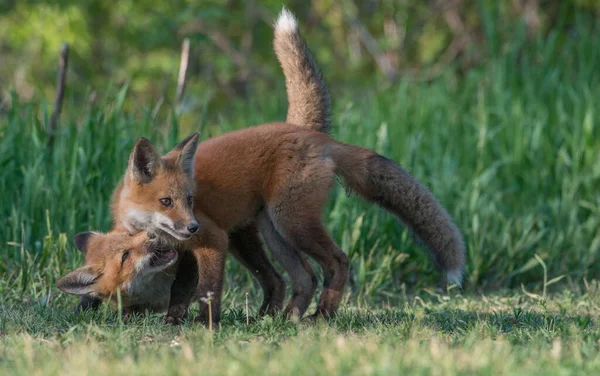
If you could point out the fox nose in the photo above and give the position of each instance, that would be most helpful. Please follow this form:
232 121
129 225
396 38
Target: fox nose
193 227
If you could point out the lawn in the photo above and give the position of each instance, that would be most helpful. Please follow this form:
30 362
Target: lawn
500 334
510 148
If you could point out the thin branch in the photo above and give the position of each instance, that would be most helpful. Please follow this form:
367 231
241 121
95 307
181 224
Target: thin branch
219 39
382 61
60 90
183 65
247 37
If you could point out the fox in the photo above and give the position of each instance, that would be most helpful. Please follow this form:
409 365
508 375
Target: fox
309 106
279 175
276 177
141 272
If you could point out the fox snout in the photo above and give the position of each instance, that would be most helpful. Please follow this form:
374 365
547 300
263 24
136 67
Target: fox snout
187 229
193 227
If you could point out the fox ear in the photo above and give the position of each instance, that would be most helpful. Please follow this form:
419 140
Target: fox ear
79 282
144 161
187 149
81 241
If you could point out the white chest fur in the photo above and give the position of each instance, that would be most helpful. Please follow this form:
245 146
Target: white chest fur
152 291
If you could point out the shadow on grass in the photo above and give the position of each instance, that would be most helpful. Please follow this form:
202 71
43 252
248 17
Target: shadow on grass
461 321
35 319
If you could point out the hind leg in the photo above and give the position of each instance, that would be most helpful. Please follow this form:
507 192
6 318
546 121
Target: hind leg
247 248
304 280
310 237
300 189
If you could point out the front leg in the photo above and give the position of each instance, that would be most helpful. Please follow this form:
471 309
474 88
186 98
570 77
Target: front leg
183 289
209 248
246 246
211 267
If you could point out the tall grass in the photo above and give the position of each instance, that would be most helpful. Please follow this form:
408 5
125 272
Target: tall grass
511 149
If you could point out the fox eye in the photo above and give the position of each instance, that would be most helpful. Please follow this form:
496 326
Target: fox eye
166 201
190 199
125 256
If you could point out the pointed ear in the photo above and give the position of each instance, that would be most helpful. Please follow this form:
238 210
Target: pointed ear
187 149
79 282
144 161
81 241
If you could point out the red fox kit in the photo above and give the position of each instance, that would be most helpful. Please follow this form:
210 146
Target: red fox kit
143 274
309 106
277 177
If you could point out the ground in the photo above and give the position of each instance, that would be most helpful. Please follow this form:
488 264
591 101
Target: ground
439 334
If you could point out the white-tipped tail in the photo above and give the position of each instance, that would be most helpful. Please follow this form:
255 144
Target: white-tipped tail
455 276
286 22
308 97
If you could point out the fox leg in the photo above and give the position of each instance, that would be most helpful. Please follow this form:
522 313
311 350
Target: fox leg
304 280
311 237
296 216
301 188
211 265
183 289
247 248
209 248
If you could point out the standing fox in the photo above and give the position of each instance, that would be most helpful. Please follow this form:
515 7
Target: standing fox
274 176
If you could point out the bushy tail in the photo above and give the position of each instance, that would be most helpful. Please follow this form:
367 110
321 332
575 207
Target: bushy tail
382 181
308 96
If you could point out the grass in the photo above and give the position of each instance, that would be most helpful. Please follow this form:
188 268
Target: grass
434 334
511 148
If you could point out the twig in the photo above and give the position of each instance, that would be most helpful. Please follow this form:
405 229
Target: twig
208 301
450 53
219 39
349 11
247 312
60 90
183 65
459 43
209 315
247 37
382 61
531 295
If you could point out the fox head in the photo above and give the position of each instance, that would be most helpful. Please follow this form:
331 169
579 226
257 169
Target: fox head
157 192
117 261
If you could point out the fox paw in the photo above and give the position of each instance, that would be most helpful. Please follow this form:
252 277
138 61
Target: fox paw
316 317
173 320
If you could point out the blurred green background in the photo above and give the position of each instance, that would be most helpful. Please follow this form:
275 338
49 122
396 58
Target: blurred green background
356 42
